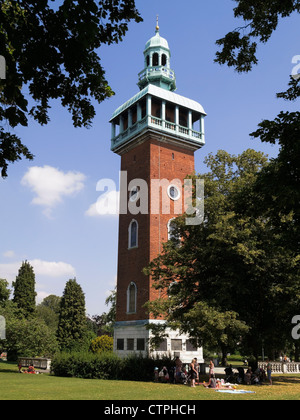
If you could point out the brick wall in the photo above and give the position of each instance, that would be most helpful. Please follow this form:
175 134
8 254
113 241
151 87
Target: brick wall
152 159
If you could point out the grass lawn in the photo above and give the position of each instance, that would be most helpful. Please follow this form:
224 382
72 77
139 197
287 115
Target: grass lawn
16 386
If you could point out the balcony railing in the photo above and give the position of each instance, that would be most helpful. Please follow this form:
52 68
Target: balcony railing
156 71
163 125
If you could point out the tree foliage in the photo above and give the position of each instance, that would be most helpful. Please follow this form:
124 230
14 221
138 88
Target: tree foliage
277 187
25 337
48 311
231 280
261 18
29 338
4 291
51 52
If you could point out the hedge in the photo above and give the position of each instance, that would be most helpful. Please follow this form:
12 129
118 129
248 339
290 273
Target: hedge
107 366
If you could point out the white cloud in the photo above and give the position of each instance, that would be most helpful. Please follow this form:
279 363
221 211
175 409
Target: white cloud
40 296
41 268
51 185
52 269
9 271
9 254
106 205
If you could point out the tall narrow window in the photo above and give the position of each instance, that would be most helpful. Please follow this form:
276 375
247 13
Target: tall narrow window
163 60
133 234
131 298
155 60
120 344
140 344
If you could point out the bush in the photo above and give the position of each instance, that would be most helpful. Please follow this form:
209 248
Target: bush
86 365
109 366
102 344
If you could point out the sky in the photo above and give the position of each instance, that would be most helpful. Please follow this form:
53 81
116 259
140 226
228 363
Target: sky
47 206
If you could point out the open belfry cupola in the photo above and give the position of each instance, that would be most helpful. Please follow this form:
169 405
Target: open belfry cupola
157 69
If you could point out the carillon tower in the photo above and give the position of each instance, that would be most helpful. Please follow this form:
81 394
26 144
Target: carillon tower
156 133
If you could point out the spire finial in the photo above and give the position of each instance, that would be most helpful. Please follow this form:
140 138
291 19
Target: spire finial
157 26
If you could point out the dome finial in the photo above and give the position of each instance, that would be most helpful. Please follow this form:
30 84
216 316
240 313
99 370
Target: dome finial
157 26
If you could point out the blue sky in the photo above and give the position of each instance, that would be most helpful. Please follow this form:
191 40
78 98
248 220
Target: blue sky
48 223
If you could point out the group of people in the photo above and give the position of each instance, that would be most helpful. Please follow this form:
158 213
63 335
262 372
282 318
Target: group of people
184 374
250 377
180 374
213 382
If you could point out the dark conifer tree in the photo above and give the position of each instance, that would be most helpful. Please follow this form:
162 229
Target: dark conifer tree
72 318
24 290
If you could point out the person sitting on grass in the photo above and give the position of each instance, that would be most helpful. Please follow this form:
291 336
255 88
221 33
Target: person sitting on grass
212 382
30 370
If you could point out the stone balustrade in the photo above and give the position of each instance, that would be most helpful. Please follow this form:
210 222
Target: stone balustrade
279 367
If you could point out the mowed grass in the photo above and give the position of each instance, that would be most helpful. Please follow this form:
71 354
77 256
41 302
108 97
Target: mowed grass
16 386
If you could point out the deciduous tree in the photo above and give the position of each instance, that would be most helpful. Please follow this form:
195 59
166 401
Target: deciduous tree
233 269
52 52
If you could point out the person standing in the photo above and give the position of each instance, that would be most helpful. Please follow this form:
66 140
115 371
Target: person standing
211 368
193 373
269 371
178 371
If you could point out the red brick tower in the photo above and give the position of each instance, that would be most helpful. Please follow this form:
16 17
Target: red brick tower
156 135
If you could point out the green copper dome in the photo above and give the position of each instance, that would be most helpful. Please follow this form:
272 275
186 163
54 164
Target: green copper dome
156 42
157 70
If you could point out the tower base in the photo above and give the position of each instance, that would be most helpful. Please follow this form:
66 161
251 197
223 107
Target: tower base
132 337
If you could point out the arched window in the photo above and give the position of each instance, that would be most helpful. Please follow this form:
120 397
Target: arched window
133 234
164 60
131 298
148 60
155 60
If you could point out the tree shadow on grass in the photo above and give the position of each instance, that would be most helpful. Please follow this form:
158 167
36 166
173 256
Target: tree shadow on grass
286 380
8 367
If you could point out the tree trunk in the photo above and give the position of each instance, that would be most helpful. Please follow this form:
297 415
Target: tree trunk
297 352
224 357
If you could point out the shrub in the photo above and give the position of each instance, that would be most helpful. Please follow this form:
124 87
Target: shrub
102 344
106 366
86 365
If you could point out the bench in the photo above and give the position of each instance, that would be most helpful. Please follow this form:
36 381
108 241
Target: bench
38 363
